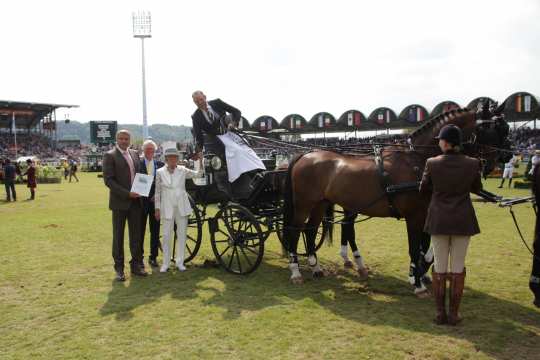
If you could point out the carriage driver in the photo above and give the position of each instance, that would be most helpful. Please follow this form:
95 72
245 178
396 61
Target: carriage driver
211 124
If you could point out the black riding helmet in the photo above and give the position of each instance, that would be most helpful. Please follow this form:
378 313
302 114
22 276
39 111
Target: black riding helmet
450 133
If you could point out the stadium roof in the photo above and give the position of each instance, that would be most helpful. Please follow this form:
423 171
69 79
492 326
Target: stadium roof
27 114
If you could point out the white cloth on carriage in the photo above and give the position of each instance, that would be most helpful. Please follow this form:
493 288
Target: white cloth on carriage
171 191
240 157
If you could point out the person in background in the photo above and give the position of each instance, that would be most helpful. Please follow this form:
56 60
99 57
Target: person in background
149 165
65 165
9 180
508 172
31 179
535 160
172 205
451 220
119 168
73 170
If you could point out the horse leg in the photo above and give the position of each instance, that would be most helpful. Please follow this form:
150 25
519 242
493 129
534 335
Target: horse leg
349 234
415 253
312 225
347 237
426 256
292 237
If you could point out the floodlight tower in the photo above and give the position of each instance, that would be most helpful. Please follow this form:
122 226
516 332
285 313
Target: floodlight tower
142 28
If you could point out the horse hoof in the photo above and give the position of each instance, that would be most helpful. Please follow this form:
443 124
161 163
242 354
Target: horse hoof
348 264
363 273
318 274
297 280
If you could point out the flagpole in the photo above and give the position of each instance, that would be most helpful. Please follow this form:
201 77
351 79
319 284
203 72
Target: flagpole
14 128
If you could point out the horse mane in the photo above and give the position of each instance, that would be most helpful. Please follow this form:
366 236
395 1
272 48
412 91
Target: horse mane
438 121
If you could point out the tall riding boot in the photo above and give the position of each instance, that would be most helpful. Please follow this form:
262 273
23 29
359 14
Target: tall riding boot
439 293
32 194
457 283
510 183
502 183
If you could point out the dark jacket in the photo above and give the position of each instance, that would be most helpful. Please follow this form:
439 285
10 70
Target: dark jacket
451 178
116 177
142 166
9 173
201 126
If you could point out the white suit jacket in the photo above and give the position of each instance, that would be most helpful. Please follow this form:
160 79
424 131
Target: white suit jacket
171 191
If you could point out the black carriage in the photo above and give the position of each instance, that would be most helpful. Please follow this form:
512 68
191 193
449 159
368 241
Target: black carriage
239 220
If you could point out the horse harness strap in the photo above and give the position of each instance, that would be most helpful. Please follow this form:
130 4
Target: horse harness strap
385 182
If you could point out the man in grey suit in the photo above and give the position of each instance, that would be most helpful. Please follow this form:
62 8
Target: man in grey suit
119 168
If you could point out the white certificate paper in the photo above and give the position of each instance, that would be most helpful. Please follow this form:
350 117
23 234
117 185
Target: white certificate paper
142 184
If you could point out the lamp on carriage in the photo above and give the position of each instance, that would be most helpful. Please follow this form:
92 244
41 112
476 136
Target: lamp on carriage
142 27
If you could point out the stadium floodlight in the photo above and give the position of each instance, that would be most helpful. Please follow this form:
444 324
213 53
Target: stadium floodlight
142 29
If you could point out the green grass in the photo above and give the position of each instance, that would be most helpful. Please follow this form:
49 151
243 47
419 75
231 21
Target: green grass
59 300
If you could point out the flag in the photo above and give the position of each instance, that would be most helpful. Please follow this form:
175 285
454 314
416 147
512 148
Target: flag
419 114
380 118
298 123
321 121
327 122
269 125
291 122
412 115
241 124
13 126
527 103
519 107
350 120
387 116
357 119
263 124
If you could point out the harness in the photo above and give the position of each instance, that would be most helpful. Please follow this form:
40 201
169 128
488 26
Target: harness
385 181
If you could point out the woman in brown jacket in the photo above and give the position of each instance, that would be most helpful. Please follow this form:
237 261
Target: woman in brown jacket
451 220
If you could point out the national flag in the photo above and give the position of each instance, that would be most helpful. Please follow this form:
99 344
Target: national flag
412 116
327 122
387 116
269 125
291 122
298 123
263 124
527 103
419 114
519 104
241 124
350 120
357 119
380 118
321 124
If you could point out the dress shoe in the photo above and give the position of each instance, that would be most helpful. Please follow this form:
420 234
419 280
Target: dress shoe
139 272
120 276
153 262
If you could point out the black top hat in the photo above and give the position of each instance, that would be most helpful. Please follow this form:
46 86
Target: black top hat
450 133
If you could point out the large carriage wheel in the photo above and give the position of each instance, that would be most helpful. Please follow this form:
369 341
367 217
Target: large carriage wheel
237 239
194 234
302 243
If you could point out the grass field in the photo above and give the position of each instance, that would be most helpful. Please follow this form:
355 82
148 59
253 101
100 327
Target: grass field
59 300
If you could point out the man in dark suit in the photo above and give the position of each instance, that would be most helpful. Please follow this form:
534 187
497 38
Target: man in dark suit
209 120
119 168
9 180
149 166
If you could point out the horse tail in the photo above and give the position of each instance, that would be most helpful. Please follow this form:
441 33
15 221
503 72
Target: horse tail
288 203
328 225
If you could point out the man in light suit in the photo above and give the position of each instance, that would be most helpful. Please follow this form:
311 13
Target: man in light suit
149 165
119 168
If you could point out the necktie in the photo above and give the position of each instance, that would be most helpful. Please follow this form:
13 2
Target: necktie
211 116
129 160
150 167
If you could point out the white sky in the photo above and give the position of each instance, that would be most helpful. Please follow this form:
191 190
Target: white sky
266 57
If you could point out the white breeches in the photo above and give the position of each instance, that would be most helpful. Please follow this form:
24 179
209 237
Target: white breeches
508 172
181 233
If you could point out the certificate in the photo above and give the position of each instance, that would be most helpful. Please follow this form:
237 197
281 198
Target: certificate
142 184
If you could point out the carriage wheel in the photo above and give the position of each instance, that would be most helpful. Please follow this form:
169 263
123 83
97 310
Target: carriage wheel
302 243
194 234
237 239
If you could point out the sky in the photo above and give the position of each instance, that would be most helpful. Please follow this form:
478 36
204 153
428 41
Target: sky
266 57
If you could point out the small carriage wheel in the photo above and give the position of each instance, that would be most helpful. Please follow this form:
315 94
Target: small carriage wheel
319 239
194 234
237 239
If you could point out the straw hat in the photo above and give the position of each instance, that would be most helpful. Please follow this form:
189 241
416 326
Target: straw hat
171 152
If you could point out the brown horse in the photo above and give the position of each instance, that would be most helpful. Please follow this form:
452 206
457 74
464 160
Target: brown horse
358 184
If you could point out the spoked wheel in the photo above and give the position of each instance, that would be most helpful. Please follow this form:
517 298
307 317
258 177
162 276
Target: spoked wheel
302 243
237 239
194 234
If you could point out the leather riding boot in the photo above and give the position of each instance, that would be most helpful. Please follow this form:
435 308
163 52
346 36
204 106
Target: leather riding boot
457 283
439 293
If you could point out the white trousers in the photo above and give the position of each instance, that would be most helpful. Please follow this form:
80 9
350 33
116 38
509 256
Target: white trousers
508 173
181 233
449 245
